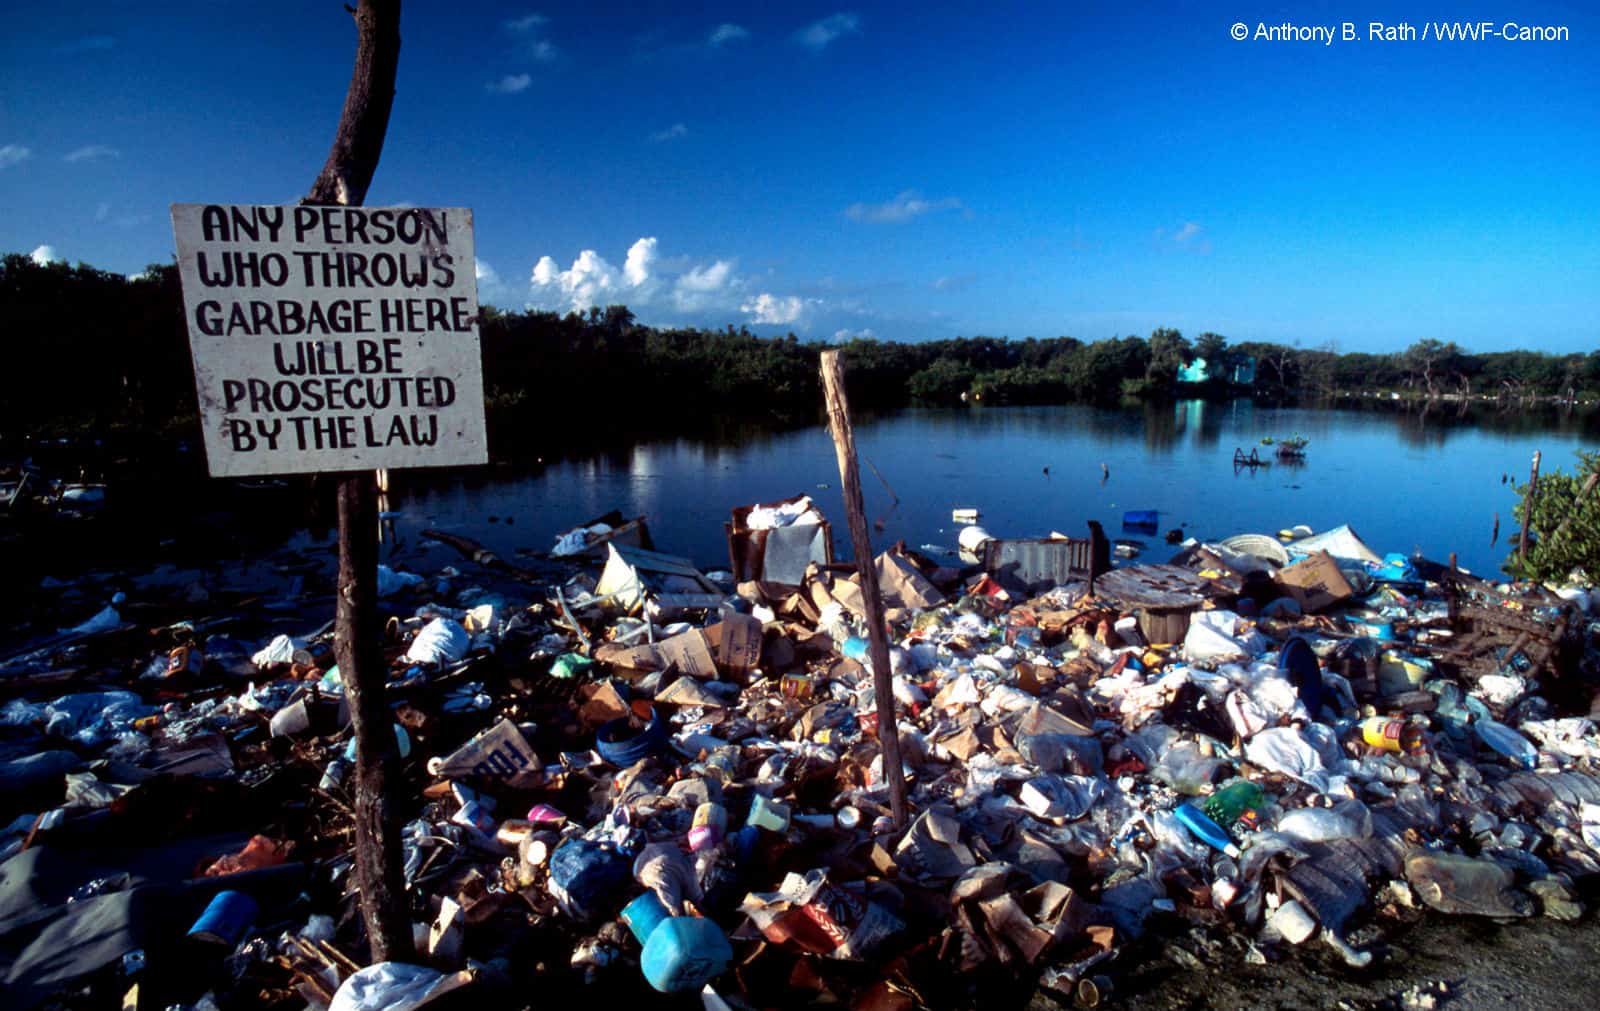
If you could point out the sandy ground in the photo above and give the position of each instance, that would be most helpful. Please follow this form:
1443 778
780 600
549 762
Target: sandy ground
1457 963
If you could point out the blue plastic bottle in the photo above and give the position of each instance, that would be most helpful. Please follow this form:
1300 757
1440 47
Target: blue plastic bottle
680 952
1204 829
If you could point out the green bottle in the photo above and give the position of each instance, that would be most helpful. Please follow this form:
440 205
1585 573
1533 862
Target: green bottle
1236 806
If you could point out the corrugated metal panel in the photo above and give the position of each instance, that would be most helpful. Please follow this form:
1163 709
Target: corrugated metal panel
1037 563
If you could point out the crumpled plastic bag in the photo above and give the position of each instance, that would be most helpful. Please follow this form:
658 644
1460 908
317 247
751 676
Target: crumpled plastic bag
105 621
1286 750
441 641
394 986
1217 635
90 718
1348 819
666 869
279 650
1069 797
392 581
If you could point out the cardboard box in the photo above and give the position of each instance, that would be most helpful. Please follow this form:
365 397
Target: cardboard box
1315 583
738 644
690 653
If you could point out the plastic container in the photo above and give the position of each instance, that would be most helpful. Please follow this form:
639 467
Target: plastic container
681 953
709 826
1203 828
768 814
1508 743
1300 665
1393 735
622 746
226 919
1236 806
1141 519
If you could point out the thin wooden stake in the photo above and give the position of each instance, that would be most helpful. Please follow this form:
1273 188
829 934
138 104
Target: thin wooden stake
844 447
1527 511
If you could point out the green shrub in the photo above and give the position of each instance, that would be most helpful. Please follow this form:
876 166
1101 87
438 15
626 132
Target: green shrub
1564 532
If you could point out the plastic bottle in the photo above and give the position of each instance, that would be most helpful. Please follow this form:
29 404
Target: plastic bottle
1507 742
1236 806
1204 829
1393 735
681 953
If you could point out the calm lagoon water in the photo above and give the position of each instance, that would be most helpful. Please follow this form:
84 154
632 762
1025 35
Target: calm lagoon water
1405 483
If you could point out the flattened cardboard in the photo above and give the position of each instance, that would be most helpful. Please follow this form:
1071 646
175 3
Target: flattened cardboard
1316 583
899 581
643 657
501 753
604 703
739 648
687 691
690 653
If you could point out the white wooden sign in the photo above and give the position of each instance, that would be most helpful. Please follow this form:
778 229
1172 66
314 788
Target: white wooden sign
332 338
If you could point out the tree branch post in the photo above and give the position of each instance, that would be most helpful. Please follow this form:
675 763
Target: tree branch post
1527 511
380 869
844 446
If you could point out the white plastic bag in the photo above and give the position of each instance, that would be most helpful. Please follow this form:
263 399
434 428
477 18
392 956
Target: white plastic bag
393 986
441 641
1216 635
1285 750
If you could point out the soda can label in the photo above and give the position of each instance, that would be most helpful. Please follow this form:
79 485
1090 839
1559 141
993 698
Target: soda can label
184 660
798 686
1382 733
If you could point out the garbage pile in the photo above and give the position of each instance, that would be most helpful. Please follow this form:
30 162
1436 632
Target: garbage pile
643 777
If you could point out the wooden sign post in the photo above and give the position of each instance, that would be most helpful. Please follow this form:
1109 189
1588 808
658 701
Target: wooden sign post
334 337
844 446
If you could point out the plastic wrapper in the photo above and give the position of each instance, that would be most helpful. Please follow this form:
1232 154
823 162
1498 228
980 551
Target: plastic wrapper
440 641
1286 750
393 986
1349 819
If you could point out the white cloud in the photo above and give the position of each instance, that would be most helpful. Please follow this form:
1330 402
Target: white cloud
510 84
709 278
102 213
526 23
953 282
909 204
843 335
705 286
531 27
45 255
819 35
648 281
779 310
1188 236
636 268
492 288
14 154
672 132
726 33
92 152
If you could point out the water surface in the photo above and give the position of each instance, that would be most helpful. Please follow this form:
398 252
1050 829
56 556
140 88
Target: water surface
1406 483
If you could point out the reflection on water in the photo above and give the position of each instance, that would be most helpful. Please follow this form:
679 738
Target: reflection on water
1406 482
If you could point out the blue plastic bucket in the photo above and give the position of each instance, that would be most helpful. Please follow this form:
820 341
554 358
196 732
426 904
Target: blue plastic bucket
621 746
1141 519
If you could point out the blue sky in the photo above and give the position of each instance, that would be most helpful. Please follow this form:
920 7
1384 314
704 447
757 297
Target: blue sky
1003 169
